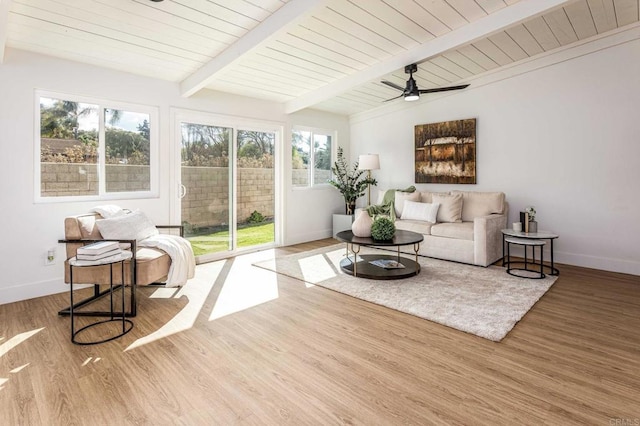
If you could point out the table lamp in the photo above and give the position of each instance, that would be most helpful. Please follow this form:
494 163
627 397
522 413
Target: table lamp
369 162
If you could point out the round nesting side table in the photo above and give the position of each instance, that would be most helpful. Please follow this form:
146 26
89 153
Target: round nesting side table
127 325
540 235
526 242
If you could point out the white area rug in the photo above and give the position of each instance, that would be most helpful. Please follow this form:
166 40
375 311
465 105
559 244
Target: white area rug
486 302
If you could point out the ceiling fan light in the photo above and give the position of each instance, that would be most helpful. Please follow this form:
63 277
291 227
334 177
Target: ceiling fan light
412 97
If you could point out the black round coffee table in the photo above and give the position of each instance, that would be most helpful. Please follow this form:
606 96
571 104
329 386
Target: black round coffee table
365 269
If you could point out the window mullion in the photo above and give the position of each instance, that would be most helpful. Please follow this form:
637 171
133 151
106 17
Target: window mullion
102 154
312 161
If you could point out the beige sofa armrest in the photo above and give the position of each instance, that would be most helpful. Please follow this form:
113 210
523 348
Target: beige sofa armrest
487 238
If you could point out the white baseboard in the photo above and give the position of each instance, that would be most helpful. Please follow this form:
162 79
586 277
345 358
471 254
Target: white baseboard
304 238
605 264
29 291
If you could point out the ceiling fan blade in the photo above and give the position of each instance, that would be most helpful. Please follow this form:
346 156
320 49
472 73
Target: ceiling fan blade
394 98
395 86
443 89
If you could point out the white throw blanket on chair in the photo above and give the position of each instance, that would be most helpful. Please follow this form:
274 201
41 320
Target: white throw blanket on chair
183 263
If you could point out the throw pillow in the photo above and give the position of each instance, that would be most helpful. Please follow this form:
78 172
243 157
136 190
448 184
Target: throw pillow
88 228
133 226
108 210
477 204
450 207
420 211
401 197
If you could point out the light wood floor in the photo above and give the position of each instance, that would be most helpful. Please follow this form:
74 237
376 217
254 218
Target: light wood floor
307 355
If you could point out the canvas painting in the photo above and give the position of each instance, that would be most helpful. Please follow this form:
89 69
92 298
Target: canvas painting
446 152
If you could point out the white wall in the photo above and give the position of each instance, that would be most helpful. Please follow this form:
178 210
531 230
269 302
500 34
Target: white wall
559 133
29 229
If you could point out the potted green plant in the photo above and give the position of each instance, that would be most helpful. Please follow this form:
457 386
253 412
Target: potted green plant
351 183
383 228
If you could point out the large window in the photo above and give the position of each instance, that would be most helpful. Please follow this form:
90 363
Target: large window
94 149
311 152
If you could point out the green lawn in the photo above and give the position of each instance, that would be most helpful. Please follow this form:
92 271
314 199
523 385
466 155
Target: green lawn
248 235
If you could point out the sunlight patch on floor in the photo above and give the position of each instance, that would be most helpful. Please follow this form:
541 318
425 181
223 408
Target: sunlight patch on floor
17 369
196 290
320 267
91 359
16 340
12 343
163 293
316 269
246 285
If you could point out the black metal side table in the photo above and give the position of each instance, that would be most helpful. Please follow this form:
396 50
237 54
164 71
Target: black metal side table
540 235
127 325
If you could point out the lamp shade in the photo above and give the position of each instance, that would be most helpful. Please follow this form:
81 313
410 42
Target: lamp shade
369 162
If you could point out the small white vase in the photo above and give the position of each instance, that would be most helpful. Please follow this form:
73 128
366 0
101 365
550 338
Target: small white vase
361 227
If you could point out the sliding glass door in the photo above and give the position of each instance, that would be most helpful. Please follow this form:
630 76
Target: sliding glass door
255 221
206 187
228 186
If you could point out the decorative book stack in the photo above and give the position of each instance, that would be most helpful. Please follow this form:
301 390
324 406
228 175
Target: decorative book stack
99 251
529 225
524 218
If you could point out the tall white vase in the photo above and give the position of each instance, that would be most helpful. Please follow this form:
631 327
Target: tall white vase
361 227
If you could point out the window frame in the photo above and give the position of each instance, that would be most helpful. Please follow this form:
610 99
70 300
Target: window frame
310 170
102 104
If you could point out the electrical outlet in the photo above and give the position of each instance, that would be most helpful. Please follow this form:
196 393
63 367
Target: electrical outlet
50 257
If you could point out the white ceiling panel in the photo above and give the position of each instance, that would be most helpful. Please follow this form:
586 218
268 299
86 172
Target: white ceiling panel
581 19
420 16
541 31
463 62
626 11
561 27
604 15
490 6
527 42
283 51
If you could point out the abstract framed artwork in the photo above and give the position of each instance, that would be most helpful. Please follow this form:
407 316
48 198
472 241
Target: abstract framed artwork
446 152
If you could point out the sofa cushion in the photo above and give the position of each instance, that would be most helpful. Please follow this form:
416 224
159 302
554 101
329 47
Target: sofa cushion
151 267
401 197
419 226
420 211
450 209
88 228
459 231
427 196
477 204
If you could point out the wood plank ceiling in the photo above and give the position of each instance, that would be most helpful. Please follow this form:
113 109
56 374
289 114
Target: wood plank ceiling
329 55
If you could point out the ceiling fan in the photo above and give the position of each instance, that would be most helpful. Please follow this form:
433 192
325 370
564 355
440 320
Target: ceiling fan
411 91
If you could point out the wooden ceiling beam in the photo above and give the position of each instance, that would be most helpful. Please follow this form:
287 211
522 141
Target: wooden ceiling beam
484 27
277 23
5 5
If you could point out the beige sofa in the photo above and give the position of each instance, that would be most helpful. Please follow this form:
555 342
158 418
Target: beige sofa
467 229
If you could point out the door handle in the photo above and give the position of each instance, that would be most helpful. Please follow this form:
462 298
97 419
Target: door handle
182 192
